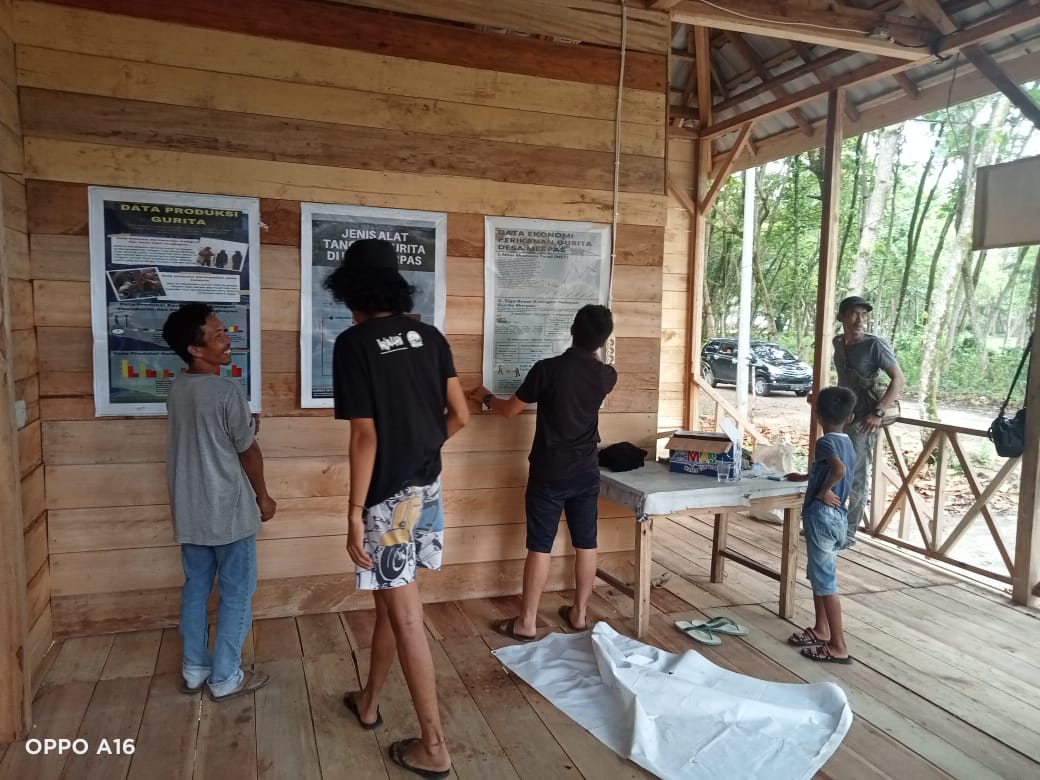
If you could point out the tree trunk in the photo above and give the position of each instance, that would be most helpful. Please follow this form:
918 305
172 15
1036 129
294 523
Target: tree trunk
940 319
874 207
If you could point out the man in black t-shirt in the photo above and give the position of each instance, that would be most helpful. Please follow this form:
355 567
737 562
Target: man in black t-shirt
564 468
393 378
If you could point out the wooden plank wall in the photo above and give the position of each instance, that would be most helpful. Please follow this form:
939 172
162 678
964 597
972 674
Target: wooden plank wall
14 244
675 288
293 101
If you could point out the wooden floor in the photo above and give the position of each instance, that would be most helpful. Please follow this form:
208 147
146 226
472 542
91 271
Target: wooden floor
946 684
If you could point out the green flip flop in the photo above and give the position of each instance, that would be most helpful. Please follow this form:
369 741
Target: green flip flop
697 631
723 625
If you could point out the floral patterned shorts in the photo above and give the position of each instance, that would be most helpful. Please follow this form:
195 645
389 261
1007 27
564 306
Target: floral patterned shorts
401 534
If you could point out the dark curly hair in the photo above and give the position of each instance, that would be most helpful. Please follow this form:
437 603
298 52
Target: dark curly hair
592 326
183 328
370 290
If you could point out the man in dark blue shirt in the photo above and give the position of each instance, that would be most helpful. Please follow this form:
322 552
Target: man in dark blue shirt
564 467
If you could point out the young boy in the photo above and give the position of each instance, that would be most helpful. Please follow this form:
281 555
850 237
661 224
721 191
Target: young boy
564 472
394 379
218 498
824 519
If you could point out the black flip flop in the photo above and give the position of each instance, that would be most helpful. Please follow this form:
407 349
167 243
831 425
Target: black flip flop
507 628
807 638
397 753
822 654
185 688
565 613
350 702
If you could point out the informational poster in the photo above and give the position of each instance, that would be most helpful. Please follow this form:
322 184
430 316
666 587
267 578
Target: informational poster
327 230
537 274
150 252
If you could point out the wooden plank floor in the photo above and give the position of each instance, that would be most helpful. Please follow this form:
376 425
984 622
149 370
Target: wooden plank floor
946 684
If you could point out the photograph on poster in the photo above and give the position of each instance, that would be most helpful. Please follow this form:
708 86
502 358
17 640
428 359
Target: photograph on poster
327 230
150 253
537 274
133 283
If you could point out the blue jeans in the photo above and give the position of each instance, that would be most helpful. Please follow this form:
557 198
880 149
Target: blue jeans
234 566
825 533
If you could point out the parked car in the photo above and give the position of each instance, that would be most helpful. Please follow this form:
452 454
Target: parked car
774 367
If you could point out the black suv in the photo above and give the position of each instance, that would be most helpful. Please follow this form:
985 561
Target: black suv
775 368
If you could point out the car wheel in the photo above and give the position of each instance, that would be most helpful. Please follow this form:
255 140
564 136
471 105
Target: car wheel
801 393
761 386
709 375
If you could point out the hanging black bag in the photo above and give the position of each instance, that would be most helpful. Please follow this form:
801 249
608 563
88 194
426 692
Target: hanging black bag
1008 434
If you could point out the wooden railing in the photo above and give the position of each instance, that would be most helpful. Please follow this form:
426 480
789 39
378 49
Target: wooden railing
910 504
902 513
722 405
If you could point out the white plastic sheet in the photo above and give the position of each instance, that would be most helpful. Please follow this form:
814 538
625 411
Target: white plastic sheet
680 716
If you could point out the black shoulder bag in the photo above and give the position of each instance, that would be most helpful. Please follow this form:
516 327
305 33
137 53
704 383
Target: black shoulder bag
1008 434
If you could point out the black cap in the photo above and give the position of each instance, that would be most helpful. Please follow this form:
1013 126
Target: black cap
851 302
371 253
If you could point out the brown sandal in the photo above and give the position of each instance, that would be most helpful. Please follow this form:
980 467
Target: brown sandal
251 681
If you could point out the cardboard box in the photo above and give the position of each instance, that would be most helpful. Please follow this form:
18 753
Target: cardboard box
700 452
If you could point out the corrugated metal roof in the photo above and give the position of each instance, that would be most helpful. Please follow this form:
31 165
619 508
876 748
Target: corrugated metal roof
883 95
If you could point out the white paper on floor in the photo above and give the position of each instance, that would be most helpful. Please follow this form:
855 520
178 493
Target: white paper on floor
680 716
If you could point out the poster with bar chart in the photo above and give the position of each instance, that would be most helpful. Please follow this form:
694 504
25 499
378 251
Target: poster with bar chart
150 253
327 230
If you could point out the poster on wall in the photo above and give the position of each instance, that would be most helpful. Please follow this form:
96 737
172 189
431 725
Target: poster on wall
537 274
327 230
150 252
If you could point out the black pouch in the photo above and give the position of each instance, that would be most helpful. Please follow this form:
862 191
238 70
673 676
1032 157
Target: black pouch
1008 434
622 456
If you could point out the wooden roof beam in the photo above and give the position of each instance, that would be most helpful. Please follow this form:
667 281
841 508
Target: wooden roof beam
726 166
933 13
749 55
702 71
886 66
787 75
807 57
821 23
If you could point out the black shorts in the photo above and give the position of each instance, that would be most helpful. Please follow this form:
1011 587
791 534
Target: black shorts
577 497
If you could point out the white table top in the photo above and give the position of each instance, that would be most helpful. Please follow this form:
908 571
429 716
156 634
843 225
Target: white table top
654 490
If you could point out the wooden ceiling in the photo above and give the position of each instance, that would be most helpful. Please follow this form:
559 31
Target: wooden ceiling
758 72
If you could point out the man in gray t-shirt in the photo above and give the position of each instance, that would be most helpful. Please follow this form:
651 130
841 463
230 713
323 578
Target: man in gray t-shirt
218 498
860 358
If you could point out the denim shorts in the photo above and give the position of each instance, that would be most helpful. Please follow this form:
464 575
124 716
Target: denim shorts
401 534
825 531
577 497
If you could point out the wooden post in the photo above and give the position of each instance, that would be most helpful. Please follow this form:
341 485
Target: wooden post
15 693
829 244
698 250
644 567
1026 575
788 562
718 546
